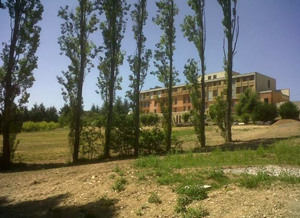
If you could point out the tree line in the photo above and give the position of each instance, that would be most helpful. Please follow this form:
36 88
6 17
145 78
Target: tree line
19 60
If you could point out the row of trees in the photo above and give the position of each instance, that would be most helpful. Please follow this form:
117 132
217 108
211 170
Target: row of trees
19 60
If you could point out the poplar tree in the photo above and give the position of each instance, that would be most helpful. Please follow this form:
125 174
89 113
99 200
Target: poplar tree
113 29
231 31
19 61
139 64
194 28
75 44
166 73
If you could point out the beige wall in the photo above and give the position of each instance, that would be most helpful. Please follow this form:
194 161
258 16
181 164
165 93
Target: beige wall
262 83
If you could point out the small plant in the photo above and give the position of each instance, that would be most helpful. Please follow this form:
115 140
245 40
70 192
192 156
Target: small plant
182 202
139 212
217 175
154 199
118 170
246 118
120 184
196 213
289 110
195 192
252 182
112 176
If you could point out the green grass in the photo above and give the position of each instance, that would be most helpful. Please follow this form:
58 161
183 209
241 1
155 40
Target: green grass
43 147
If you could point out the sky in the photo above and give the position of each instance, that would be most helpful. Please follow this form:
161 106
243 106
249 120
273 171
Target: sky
269 43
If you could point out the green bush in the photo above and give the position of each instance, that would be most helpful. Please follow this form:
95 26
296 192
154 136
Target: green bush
186 117
149 119
245 118
289 110
90 144
265 112
39 126
217 113
152 141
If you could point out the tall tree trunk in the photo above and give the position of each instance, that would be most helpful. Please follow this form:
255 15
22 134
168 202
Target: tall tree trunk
7 113
169 133
137 88
78 109
111 91
228 135
202 111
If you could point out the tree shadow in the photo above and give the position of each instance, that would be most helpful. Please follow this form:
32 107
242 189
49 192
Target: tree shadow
50 208
23 167
243 145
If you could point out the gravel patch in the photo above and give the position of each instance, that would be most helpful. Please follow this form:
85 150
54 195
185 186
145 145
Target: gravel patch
271 170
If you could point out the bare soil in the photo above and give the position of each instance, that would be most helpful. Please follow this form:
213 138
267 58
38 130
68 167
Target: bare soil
85 191
76 192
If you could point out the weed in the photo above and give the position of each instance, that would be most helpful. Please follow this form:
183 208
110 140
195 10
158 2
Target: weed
154 199
182 202
112 176
217 175
196 213
118 170
194 191
139 212
120 184
251 182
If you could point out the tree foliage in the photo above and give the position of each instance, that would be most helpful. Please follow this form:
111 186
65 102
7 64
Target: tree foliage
139 64
166 73
194 28
113 29
191 71
247 102
19 61
75 44
265 112
231 31
217 113
289 110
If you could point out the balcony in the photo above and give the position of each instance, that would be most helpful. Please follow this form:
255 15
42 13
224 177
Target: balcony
245 83
251 83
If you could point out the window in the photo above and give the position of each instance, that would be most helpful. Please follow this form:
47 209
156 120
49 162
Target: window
183 99
184 108
174 90
189 100
209 77
238 90
266 100
238 80
155 103
269 84
189 108
175 101
215 84
215 93
175 109
215 76
155 111
184 88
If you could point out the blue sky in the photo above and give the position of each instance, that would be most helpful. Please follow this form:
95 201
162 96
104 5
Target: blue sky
269 43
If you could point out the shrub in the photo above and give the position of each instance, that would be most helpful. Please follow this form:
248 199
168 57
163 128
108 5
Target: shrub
289 110
265 112
182 202
39 126
186 117
90 142
122 139
217 113
152 141
245 118
195 192
149 119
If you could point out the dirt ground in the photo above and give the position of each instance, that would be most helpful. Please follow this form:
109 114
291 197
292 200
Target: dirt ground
85 191
76 192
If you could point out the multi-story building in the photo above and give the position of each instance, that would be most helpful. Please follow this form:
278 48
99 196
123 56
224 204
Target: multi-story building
215 84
